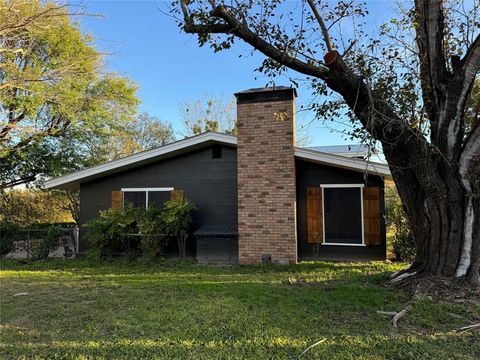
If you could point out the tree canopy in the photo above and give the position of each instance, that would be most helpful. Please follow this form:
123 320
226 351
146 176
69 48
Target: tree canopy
53 89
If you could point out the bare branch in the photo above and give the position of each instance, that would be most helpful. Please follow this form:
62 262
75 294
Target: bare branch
468 327
234 26
326 36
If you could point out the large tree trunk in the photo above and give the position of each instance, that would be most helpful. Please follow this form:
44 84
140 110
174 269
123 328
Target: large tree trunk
443 218
435 183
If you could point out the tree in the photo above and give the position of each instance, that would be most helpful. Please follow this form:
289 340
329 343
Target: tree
144 133
407 89
54 91
209 114
28 207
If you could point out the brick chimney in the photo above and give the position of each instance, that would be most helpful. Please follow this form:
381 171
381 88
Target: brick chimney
266 175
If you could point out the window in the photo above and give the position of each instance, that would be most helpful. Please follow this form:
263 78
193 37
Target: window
343 215
146 197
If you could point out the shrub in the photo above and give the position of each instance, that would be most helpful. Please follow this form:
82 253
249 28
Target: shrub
177 218
401 239
41 248
154 238
107 233
8 234
403 247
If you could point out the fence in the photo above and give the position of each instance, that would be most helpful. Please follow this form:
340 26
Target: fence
24 240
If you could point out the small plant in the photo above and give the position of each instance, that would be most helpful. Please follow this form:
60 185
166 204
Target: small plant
177 218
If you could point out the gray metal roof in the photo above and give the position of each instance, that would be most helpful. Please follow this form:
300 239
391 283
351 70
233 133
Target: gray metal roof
216 230
348 150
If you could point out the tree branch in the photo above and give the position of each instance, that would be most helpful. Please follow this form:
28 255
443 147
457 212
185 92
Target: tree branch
326 36
23 180
11 123
233 26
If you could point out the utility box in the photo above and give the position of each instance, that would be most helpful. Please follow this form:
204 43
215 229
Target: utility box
217 244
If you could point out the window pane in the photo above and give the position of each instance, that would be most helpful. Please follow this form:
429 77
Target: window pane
343 215
158 198
137 198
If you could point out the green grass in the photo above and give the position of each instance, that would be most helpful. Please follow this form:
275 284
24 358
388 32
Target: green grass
178 310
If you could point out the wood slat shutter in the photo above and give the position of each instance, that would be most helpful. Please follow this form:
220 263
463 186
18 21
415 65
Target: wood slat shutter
314 215
371 215
117 199
176 194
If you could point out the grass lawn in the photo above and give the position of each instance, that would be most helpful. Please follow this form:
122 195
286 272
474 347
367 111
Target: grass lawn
121 310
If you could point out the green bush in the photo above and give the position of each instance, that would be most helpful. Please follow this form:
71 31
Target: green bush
400 237
41 248
8 234
107 234
151 229
154 238
403 247
177 218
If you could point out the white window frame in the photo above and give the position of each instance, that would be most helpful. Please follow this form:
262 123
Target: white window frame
146 192
360 187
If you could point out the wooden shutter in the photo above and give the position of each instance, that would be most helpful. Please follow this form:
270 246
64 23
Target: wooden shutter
371 215
314 215
176 194
117 199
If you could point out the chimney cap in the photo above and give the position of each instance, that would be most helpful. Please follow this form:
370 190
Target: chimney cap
277 93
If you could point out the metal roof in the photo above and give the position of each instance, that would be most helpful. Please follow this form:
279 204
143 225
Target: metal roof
216 230
346 150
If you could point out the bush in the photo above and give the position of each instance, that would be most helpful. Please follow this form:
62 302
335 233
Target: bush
400 237
41 248
154 238
8 234
107 234
177 218
403 247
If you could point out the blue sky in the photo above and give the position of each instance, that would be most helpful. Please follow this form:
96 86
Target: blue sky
169 67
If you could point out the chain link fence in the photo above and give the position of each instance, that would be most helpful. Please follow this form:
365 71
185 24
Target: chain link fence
22 242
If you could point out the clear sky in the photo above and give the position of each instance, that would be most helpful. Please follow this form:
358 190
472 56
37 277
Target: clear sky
146 45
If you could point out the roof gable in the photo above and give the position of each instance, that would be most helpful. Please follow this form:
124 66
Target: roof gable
72 181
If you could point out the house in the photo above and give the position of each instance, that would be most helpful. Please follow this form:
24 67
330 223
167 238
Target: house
259 196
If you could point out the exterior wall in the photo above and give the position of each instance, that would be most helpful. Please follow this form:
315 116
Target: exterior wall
210 183
311 174
266 176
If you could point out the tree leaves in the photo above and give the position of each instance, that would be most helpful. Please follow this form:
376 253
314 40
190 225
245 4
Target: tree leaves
53 87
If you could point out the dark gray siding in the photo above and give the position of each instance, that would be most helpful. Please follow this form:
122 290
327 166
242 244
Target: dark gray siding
310 174
210 183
